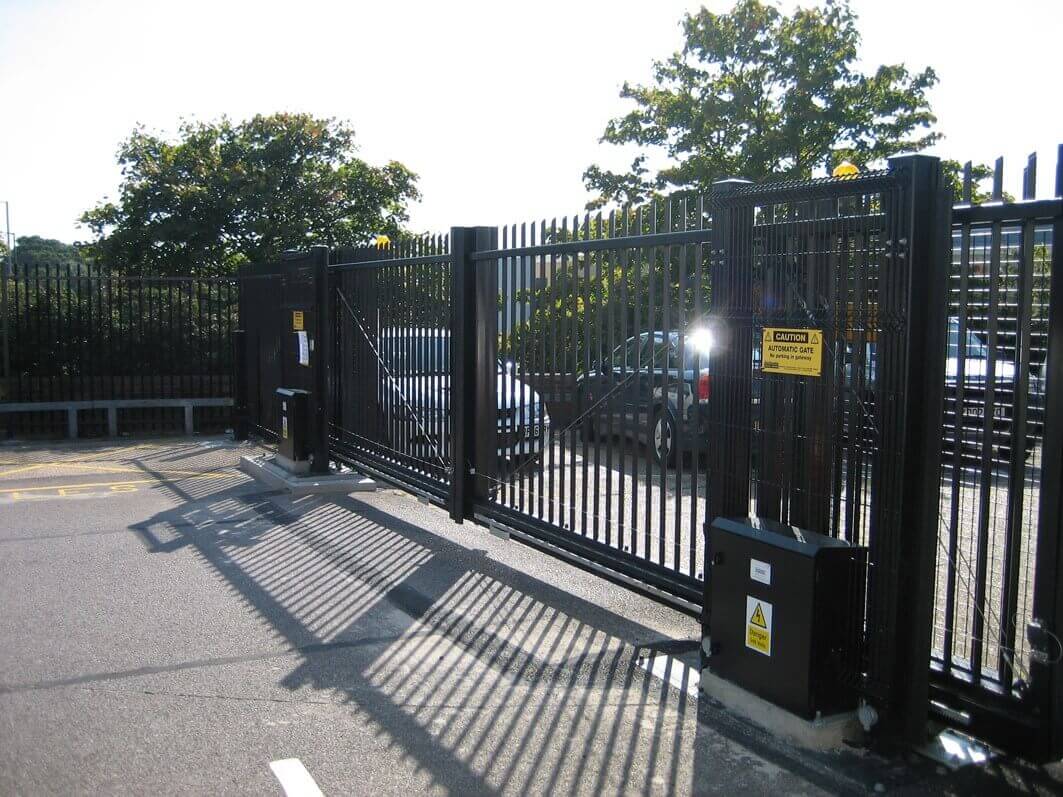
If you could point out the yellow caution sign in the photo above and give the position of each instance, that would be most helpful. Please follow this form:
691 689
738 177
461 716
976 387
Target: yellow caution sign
758 625
297 321
792 351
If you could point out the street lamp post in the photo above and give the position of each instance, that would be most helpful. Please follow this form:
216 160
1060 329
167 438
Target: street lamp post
7 271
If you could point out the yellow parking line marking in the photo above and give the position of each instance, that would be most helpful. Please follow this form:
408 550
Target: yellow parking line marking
98 469
113 468
109 484
23 469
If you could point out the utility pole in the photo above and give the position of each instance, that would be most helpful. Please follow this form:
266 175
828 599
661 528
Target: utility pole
4 276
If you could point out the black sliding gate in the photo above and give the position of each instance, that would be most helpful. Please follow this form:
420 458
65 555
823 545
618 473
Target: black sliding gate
603 386
391 370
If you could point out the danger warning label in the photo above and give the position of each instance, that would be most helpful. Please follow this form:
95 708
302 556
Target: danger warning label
758 625
792 351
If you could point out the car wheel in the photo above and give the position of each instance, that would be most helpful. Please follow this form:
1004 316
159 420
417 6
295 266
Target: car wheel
662 439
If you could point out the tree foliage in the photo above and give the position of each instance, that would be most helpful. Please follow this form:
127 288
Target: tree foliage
755 93
587 304
32 251
224 194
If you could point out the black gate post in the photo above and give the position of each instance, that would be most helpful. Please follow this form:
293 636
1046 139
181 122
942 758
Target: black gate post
731 319
240 411
1046 671
473 322
321 358
731 300
922 227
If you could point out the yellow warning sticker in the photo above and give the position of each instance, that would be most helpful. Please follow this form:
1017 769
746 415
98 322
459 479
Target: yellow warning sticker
758 625
297 321
792 351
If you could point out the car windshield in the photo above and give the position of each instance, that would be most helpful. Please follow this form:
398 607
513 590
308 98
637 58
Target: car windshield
975 346
416 353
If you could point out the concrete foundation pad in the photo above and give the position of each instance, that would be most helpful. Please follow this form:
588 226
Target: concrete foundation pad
821 734
270 473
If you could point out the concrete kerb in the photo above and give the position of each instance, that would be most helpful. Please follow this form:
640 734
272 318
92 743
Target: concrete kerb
263 469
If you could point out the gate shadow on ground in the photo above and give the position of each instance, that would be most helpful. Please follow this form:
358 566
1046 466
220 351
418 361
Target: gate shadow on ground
485 679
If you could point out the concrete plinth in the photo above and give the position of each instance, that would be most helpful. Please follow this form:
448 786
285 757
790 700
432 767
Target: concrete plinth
822 733
272 474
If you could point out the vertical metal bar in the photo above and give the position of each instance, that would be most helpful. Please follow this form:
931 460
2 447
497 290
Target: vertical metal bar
683 411
321 357
543 311
958 442
666 331
568 365
1029 177
509 407
998 180
584 264
608 283
524 411
986 472
620 384
486 362
1046 676
633 393
967 183
595 267
646 396
693 531
1017 465
554 335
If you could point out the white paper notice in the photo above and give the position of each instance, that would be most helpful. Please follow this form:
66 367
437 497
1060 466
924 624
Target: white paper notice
304 348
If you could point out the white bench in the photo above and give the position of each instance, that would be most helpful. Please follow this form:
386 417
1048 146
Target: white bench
72 408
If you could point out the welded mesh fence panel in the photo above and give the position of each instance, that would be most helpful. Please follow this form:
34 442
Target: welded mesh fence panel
271 296
391 383
603 381
813 267
993 434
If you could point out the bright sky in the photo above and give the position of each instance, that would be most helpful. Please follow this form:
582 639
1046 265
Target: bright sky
498 106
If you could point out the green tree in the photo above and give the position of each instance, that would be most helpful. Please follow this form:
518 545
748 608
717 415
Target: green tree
225 194
755 93
32 251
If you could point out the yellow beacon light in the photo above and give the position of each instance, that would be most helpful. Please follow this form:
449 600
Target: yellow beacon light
845 169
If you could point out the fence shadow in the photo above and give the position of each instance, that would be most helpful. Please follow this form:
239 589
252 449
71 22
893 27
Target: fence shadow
485 678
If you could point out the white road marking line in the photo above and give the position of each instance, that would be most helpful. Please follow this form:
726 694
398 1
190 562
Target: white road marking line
294 778
672 671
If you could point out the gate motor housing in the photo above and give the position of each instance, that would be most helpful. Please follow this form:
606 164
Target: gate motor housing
293 439
786 614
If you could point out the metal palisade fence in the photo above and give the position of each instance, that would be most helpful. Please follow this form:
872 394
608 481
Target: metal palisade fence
996 586
600 386
75 333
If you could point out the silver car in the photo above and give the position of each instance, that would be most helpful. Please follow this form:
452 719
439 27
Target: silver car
416 383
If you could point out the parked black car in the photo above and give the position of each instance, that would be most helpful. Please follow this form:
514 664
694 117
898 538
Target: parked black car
651 392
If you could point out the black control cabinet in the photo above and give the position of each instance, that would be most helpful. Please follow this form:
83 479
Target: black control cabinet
293 430
786 614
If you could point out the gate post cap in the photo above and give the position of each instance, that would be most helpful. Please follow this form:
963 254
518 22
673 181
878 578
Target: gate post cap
729 184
